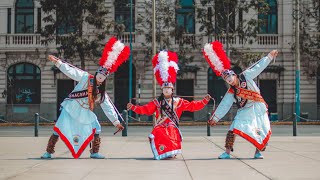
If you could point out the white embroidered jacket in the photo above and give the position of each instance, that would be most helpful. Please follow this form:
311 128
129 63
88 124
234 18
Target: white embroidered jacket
249 74
79 108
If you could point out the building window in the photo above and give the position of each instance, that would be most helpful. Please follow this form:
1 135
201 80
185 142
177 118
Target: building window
24 16
318 86
240 23
23 84
268 90
269 21
65 24
122 14
221 18
185 16
318 12
9 21
39 20
216 86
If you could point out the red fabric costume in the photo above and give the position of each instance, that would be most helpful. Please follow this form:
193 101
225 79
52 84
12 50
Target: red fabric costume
165 138
180 106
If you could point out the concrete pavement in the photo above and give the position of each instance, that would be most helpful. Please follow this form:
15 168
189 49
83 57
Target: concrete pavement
277 130
130 157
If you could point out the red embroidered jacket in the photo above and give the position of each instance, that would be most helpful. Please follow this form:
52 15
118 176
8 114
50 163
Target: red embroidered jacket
179 104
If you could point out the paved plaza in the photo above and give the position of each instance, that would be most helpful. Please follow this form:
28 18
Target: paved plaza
286 157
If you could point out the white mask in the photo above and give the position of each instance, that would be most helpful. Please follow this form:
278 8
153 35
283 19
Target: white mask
230 79
100 78
167 91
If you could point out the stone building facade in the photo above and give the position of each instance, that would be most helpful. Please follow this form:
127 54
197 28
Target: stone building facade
29 83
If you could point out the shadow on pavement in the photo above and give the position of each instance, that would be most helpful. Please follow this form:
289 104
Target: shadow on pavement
141 159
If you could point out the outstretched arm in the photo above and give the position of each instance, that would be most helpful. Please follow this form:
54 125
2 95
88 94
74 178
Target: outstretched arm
72 72
257 69
195 105
109 111
223 107
147 109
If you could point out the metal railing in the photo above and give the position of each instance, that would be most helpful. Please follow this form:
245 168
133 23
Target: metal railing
126 117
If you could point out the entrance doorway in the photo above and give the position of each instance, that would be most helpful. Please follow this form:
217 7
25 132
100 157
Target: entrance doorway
65 86
121 83
268 90
185 88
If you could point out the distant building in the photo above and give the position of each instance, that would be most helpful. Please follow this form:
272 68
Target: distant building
29 83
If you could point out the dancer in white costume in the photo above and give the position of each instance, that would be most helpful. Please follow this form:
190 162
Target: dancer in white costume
77 125
251 121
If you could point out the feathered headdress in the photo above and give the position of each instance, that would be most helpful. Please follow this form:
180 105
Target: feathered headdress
216 57
165 68
114 54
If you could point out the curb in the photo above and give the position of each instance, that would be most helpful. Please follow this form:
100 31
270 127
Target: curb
150 124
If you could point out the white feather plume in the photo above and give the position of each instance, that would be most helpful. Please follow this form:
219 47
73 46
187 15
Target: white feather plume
164 64
114 54
174 65
214 59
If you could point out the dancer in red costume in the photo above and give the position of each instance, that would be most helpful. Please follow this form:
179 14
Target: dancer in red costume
165 138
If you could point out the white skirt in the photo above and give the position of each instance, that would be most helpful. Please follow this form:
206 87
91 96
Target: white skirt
75 135
252 123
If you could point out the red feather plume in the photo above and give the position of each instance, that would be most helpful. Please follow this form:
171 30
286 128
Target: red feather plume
171 71
122 57
217 48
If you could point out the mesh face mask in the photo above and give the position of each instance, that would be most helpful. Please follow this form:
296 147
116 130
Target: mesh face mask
100 77
228 76
167 91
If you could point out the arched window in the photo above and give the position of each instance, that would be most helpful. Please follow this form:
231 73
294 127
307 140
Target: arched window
24 16
269 20
216 86
122 14
318 86
185 16
23 84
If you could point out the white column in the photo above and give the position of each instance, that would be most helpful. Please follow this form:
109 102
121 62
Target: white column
13 20
35 20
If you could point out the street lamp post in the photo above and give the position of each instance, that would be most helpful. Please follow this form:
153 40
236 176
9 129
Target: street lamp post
130 61
228 27
154 48
297 59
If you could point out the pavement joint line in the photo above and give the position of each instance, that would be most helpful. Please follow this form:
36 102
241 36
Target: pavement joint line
26 170
240 160
295 153
184 160
89 172
33 166
30 168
